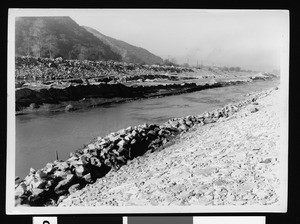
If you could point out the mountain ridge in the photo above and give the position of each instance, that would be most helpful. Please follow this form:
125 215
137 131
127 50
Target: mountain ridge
129 52
61 36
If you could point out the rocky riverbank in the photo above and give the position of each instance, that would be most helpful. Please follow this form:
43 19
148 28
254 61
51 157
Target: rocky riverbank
106 158
26 97
234 161
44 84
83 96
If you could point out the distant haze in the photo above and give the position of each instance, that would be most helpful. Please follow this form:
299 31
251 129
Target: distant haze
251 39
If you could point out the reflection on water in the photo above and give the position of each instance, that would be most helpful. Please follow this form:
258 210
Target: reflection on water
39 135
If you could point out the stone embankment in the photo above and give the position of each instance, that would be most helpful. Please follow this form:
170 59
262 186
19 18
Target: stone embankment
49 185
235 162
29 98
26 96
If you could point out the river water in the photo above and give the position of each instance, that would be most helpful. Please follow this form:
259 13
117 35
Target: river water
39 135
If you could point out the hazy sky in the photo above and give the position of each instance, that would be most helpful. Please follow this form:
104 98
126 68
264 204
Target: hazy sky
245 38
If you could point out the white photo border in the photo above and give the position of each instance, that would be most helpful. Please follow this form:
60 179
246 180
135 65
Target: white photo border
11 126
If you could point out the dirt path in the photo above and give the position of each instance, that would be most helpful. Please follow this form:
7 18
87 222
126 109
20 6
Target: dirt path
232 162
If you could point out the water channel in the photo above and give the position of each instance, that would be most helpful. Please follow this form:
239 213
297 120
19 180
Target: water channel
39 135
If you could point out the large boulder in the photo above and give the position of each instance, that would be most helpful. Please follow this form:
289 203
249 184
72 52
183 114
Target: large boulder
69 108
64 184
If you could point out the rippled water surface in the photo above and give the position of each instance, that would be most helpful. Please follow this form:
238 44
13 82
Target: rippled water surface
39 135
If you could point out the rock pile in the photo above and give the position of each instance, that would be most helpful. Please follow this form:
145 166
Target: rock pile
52 183
47 69
263 76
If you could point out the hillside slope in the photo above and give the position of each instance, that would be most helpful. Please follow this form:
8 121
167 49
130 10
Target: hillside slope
59 37
128 52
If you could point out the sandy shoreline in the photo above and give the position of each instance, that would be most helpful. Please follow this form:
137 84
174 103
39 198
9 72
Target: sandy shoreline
234 161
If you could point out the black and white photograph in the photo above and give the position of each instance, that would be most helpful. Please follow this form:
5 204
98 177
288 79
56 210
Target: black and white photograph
147 111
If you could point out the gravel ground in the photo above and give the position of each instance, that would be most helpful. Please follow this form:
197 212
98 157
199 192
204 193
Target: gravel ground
232 162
